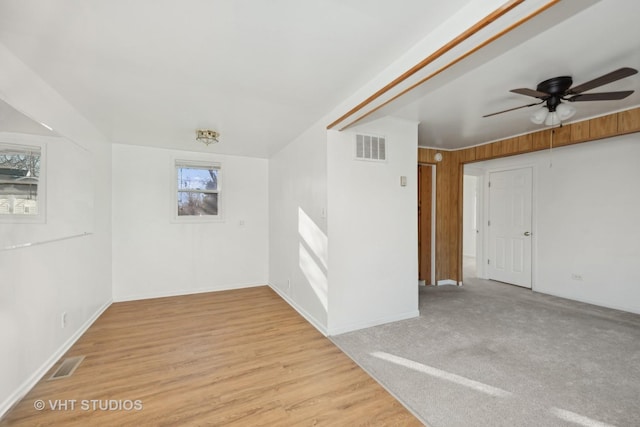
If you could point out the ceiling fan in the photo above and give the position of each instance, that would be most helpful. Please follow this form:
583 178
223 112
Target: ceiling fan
557 89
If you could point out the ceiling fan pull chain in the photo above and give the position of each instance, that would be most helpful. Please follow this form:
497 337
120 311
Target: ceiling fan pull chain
551 147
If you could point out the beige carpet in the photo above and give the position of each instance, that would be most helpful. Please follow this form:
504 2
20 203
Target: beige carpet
492 354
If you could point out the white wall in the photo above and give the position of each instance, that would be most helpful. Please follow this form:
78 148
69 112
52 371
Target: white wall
59 181
373 234
153 256
585 220
298 177
40 282
343 251
298 260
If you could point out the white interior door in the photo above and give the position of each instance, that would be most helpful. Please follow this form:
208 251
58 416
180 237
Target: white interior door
510 226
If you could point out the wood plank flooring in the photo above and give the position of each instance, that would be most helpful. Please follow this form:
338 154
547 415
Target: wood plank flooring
232 358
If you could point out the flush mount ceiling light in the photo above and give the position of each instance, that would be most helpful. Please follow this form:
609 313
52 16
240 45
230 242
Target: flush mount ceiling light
207 136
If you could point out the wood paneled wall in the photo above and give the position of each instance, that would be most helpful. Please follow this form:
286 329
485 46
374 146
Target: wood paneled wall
449 174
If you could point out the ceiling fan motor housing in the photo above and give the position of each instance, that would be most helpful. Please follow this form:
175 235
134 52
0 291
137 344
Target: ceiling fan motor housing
556 87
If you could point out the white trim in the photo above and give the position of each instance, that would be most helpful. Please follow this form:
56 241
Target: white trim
374 322
479 174
445 282
181 292
42 242
434 236
199 163
30 382
481 266
301 311
596 303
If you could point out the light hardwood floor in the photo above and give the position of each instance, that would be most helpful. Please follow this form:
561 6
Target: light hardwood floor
232 358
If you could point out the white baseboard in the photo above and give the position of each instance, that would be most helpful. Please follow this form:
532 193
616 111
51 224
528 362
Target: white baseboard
304 313
180 292
448 282
374 322
628 309
30 382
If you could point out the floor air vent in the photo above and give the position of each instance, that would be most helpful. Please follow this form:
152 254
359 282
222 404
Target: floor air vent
66 368
370 147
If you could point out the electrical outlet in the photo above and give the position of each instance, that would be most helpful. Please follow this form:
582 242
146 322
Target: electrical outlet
288 284
63 319
576 276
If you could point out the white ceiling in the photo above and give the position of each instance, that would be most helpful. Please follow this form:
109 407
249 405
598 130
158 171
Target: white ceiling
12 120
595 41
150 72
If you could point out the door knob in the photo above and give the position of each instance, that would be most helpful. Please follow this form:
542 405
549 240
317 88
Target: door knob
526 233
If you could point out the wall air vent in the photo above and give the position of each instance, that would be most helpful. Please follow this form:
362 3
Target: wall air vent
371 147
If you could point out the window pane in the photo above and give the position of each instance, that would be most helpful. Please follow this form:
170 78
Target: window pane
19 176
197 204
191 178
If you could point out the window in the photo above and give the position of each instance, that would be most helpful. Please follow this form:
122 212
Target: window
21 189
197 190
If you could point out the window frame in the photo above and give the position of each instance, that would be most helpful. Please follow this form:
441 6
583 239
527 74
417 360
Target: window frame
196 164
26 142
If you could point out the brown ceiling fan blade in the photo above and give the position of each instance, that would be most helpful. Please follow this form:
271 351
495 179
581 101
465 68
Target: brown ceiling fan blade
603 80
601 96
530 92
511 109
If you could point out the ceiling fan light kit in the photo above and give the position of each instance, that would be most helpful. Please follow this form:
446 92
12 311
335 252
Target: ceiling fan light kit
553 91
540 115
563 112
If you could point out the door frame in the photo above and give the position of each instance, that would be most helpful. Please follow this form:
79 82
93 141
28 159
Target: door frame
433 219
534 214
479 173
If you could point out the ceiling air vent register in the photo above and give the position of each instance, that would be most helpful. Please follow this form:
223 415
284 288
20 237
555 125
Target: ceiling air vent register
371 147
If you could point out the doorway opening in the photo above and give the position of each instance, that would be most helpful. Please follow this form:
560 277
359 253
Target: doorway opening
472 214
